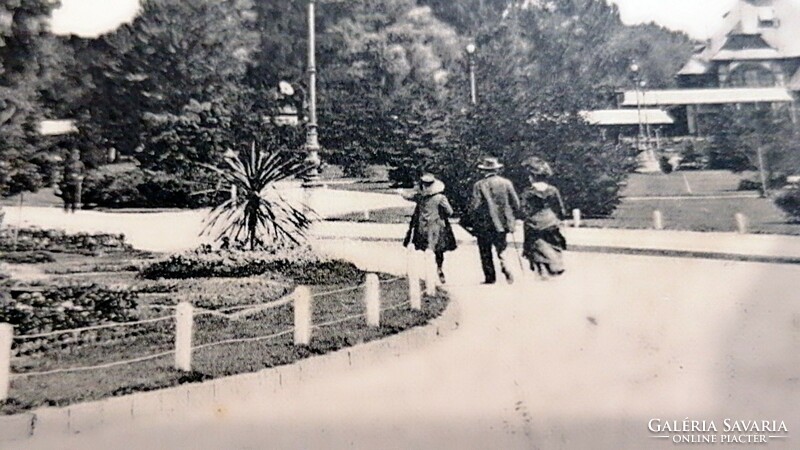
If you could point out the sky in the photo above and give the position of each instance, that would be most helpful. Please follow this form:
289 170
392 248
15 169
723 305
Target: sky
699 18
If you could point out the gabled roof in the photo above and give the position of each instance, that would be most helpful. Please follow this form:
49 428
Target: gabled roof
619 117
751 17
672 97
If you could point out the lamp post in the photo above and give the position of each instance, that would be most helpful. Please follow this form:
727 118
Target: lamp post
473 87
312 139
647 156
636 79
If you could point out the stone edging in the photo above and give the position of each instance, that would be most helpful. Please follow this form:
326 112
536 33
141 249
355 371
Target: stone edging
213 395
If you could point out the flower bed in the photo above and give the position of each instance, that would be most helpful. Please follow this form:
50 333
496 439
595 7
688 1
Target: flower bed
299 264
213 293
227 347
61 308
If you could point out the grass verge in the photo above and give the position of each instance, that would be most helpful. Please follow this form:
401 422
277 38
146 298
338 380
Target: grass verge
210 361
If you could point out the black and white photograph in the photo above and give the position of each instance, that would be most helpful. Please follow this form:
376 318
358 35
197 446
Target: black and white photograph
399 224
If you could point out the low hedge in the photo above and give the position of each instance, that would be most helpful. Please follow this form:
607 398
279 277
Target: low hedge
66 307
35 239
300 264
27 257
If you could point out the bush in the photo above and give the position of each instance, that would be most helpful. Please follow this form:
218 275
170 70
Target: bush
35 239
299 264
67 307
132 187
789 202
750 185
665 165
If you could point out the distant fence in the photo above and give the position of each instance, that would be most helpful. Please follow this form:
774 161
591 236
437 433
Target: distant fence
183 346
741 221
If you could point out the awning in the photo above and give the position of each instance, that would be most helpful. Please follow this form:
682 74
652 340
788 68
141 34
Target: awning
673 97
621 117
57 127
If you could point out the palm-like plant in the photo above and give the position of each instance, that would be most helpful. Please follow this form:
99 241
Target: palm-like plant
258 209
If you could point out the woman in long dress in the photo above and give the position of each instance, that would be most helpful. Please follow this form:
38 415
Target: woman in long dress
541 202
430 228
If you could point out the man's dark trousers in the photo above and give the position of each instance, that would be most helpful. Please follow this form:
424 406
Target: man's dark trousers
487 240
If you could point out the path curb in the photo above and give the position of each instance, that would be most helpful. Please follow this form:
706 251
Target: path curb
212 397
633 251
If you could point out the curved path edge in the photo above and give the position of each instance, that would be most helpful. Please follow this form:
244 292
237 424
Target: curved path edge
211 397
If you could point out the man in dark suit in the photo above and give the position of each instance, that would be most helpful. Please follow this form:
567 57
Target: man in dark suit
494 208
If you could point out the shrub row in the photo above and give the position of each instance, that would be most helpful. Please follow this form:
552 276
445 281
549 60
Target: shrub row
67 307
137 188
34 239
789 202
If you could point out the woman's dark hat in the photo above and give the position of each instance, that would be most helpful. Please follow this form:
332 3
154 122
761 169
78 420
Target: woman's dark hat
537 167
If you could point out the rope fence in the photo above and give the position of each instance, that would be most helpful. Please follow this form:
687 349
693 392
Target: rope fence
184 319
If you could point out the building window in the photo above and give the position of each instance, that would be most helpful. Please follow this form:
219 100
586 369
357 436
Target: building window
751 75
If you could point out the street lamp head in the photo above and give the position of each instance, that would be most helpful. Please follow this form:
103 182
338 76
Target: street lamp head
643 83
634 67
471 49
285 88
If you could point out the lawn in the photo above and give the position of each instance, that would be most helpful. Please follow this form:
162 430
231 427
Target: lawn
685 182
700 215
688 200
242 324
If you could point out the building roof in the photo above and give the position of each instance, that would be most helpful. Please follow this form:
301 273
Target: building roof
695 66
620 117
57 127
775 21
705 96
750 54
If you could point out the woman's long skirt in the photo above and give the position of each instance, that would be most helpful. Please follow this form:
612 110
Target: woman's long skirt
545 247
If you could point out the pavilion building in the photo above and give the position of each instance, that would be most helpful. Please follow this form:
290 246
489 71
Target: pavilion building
754 59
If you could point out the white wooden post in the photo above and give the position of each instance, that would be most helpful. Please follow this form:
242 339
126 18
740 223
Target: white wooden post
372 300
184 322
302 316
576 218
366 215
430 273
414 293
658 220
741 223
6 337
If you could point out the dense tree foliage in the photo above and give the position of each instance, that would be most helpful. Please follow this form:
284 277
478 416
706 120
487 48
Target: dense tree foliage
740 132
187 80
392 64
168 87
23 53
537 68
